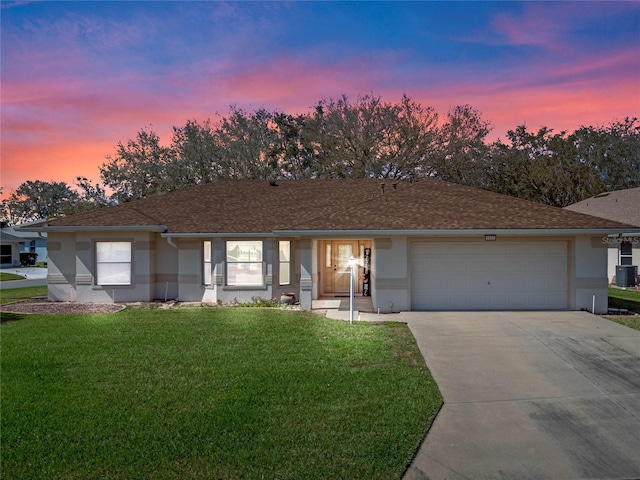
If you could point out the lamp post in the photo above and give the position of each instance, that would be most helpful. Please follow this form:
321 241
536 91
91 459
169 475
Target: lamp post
352 263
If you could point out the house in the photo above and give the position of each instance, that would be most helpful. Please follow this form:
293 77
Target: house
620 206
428 245
9 249
23 243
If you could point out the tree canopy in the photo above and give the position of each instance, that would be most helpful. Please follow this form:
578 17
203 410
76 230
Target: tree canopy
341 138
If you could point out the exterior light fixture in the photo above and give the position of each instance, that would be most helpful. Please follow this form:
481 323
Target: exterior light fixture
352 264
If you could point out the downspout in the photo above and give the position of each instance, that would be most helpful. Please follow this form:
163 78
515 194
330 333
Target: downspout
171 242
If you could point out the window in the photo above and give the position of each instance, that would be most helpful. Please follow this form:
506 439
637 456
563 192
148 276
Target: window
328 261
206 254
626 253
113 263
284 249
244 263
6 254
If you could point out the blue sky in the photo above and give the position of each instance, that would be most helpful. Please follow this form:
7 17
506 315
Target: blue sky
77 77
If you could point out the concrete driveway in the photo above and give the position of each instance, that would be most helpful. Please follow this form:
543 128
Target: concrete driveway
530 395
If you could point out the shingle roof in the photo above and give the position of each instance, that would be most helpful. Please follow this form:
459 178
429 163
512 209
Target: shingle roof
254 206
620 205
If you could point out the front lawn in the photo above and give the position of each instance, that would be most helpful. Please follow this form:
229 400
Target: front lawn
6 276
8 295
629 299
210 393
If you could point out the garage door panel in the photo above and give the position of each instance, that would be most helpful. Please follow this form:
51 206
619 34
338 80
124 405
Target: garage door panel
482 265
501 275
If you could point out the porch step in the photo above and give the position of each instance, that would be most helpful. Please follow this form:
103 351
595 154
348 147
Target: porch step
325 304
360 303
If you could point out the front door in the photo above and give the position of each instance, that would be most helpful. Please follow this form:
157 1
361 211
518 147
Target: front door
337 274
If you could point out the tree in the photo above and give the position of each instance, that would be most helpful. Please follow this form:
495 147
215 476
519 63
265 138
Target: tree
293 150
36 200
139 169
371 138
613 153
462 151
90 196
249 144
407 149
197 156
561 169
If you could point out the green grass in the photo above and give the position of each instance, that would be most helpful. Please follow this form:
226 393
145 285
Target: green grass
210 393
631 322
15 294
629 299
6 276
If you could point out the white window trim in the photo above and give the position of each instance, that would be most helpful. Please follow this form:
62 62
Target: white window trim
259 263
207 265
627 257
283 263
129 262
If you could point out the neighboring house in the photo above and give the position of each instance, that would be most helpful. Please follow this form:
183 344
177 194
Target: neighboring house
620 206
9 249
428 245
28 242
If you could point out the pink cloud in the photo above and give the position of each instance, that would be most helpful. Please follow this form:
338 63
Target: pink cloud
534 26
60 129
546 24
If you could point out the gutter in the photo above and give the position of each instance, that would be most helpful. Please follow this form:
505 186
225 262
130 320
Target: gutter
98 228
218 235
170 241
461 232
162 229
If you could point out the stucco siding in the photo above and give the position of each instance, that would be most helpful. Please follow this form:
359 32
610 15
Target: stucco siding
190 272
173 269
72 264
61 267
165 260
390 274
590 257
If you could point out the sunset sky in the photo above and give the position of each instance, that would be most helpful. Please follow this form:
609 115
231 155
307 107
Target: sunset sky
78 77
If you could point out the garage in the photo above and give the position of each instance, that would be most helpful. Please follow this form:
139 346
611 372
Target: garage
489 275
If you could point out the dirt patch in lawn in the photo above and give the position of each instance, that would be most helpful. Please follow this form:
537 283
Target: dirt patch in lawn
63 308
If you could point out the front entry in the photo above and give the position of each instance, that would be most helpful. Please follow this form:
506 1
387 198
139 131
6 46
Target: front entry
336 273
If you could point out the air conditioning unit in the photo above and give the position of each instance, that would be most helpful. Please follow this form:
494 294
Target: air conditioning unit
626 275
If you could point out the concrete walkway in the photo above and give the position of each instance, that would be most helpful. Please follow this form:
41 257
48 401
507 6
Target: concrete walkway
530 395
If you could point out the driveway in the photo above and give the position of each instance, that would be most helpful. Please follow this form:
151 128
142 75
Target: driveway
530 395
34 277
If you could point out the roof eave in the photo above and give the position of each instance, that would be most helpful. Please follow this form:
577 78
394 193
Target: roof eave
461 232
99 228
215 234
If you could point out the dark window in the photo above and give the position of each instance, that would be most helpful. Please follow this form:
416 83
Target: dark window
6 254
626 253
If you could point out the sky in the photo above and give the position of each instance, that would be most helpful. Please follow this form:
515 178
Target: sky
79 77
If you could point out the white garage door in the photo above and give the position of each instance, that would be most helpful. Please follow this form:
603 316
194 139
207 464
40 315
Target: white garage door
489 275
